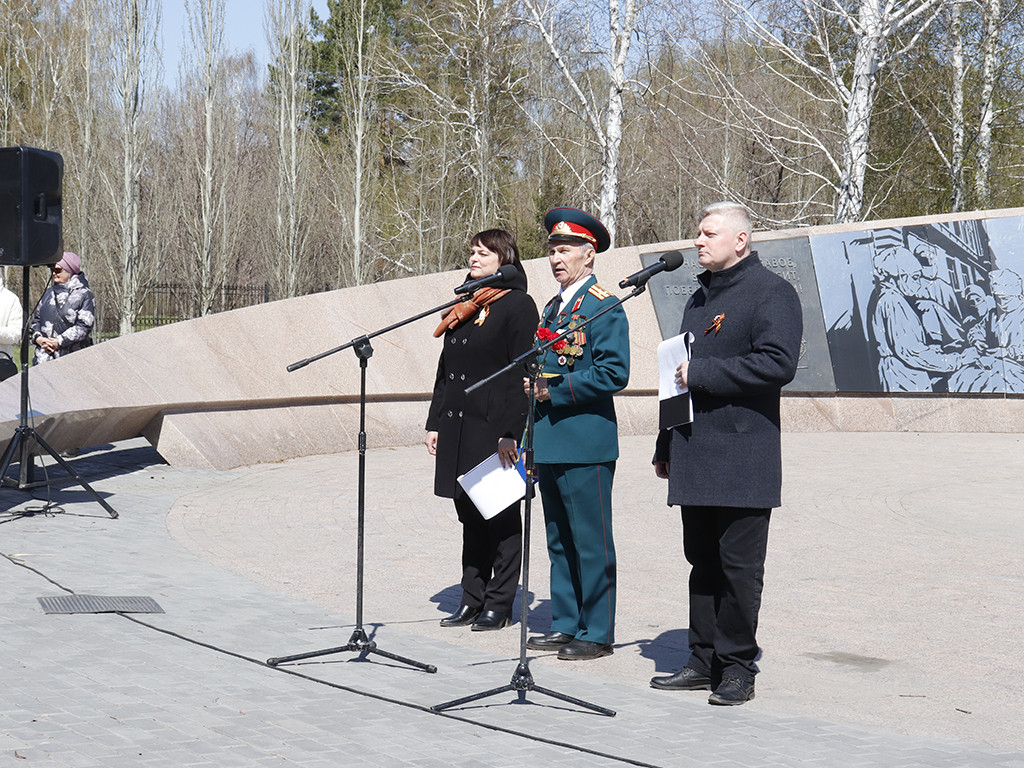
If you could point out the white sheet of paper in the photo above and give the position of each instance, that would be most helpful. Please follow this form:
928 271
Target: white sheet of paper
493 487
671 352
675 406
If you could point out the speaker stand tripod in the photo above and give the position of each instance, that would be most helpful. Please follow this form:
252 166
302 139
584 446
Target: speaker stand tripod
25 435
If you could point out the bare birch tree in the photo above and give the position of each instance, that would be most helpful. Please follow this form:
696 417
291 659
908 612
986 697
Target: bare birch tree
830 55
991 43
14 18
955 161
978 51
86 122
134 44
204 207
348 84
360 83
31 68
604 115
937 101
48 62
288 40
458 70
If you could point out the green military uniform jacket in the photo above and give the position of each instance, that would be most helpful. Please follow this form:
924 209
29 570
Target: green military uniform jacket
578 425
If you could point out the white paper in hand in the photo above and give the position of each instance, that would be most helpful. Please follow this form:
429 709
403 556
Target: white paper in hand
675 403
493 487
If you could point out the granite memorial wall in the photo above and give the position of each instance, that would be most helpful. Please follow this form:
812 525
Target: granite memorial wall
929 307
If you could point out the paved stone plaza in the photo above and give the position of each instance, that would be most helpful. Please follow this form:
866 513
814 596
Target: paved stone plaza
893 611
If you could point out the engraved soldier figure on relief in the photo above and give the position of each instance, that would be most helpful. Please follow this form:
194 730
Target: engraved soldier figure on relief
925 308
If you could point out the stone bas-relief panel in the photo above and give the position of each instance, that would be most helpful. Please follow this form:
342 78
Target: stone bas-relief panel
790 258
927 308
934 307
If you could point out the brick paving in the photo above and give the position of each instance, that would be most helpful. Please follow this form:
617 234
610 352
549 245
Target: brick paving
885 560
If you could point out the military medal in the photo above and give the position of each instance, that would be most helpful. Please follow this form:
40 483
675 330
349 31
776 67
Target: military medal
573 342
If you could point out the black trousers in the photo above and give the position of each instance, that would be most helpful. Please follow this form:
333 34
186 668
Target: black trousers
492 552
725 547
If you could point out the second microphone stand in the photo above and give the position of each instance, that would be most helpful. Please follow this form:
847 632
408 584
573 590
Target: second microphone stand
522 681
359 642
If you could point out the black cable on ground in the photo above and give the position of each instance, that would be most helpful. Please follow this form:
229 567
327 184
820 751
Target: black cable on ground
356 691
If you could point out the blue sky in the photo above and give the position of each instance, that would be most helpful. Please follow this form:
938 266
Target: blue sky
243 30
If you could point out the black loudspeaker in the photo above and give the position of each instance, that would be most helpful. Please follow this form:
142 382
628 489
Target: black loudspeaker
31 181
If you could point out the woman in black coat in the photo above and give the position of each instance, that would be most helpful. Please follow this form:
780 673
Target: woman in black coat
482 335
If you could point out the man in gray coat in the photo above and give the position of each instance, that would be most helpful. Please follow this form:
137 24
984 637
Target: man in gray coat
725 469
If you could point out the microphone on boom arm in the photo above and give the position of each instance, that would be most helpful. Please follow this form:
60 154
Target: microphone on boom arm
667 262
504 274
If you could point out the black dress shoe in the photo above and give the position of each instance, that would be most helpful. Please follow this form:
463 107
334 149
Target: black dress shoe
731 692
580 650
687 679
549 641
465 615
489 620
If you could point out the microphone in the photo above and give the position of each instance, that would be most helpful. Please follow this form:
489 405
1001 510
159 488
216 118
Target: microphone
504 274
667 262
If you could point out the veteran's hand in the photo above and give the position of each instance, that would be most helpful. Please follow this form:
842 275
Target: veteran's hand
431 442
540 390
661 469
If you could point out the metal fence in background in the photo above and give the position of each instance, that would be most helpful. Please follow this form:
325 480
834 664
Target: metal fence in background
167 303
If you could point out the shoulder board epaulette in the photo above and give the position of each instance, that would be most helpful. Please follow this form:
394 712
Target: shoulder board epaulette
599 292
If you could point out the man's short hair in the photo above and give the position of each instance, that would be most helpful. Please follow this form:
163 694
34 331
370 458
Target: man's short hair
736 215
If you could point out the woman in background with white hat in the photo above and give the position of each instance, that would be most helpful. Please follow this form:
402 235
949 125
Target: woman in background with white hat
11 322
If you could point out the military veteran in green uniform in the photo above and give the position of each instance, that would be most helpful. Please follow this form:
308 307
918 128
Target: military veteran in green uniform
576 439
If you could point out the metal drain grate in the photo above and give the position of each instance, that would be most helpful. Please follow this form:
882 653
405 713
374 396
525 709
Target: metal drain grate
99 604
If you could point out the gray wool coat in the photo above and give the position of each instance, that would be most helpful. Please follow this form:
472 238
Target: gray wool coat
731 455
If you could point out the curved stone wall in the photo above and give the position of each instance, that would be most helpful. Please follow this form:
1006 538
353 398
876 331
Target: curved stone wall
215 392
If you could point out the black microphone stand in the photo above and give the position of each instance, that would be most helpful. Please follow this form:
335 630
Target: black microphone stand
24 435
522 679
359 642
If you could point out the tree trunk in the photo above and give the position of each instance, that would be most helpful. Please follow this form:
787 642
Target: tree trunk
290 55
607 132
857 133
956 164
990 46
620 28
137 30
206 24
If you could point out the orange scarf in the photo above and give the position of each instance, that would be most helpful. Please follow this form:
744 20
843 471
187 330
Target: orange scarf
464 310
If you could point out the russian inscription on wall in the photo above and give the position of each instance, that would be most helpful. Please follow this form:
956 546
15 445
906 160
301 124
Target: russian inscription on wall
790 258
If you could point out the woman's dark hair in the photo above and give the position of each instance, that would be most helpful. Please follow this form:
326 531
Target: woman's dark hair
502 243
